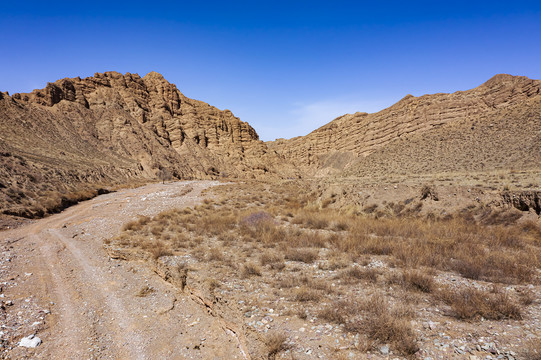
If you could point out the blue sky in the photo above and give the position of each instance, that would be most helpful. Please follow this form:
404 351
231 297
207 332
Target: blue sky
286 67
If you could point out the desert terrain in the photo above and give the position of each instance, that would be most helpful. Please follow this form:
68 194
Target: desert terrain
141 224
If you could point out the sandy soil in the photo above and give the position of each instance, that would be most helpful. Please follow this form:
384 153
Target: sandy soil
59 284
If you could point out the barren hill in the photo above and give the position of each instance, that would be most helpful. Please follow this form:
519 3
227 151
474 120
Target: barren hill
496 125
113 128
364 264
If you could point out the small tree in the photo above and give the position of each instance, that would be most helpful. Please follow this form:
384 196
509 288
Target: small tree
164 175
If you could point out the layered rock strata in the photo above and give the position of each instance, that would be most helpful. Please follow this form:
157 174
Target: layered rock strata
348 138
113 127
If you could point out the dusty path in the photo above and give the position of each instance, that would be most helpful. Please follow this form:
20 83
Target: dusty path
84 305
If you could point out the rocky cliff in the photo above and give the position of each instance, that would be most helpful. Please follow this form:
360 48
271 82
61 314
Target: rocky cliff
351 138
115 128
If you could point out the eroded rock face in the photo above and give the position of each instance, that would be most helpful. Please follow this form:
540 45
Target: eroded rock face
524 200
360 134
115 128
135 116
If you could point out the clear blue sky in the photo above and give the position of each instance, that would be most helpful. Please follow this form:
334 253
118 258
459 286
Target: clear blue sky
286 67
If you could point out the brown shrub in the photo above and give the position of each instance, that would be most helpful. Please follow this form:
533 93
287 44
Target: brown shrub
159 250
270 258
339 311
340 225
419 281
386 324
276 343
358 273
215 223
179 240
314 219
262 228
307 239
157 229
287 282
304 294
250 269
302 255
136 225
215 254
471 303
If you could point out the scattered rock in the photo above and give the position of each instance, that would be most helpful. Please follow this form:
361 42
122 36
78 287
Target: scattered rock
30 341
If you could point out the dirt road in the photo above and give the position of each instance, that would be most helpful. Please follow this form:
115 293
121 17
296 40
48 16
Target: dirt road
59 284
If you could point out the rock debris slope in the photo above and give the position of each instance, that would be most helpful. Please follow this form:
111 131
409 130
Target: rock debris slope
113 128
423 125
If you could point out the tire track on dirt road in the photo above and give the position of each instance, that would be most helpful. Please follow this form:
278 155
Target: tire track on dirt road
96 313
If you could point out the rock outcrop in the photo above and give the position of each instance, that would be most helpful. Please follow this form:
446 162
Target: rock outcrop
528 200
115 128
350 138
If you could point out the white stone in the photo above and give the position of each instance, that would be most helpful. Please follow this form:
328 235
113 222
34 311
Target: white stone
30 341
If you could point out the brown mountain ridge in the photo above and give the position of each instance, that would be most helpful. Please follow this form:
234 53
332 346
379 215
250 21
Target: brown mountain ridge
114 128
61 143
495 125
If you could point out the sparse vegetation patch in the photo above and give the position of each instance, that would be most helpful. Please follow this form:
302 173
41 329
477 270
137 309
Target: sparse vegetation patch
370 273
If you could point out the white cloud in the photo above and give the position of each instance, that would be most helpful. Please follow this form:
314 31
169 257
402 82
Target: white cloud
304 118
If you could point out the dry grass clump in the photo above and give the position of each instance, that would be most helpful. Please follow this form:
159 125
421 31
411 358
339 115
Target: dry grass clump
307 239
261 227
160 249
312 220
136 225
474 251
382 322
389 324
376 318
334 255
302 255
250 269
358 273
31 201
215 223
215 254
276 343
287 282
339 311
419 281
273 259
304 294
472 303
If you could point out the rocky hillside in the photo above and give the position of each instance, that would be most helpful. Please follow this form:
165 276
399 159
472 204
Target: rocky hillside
111 128
494 125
